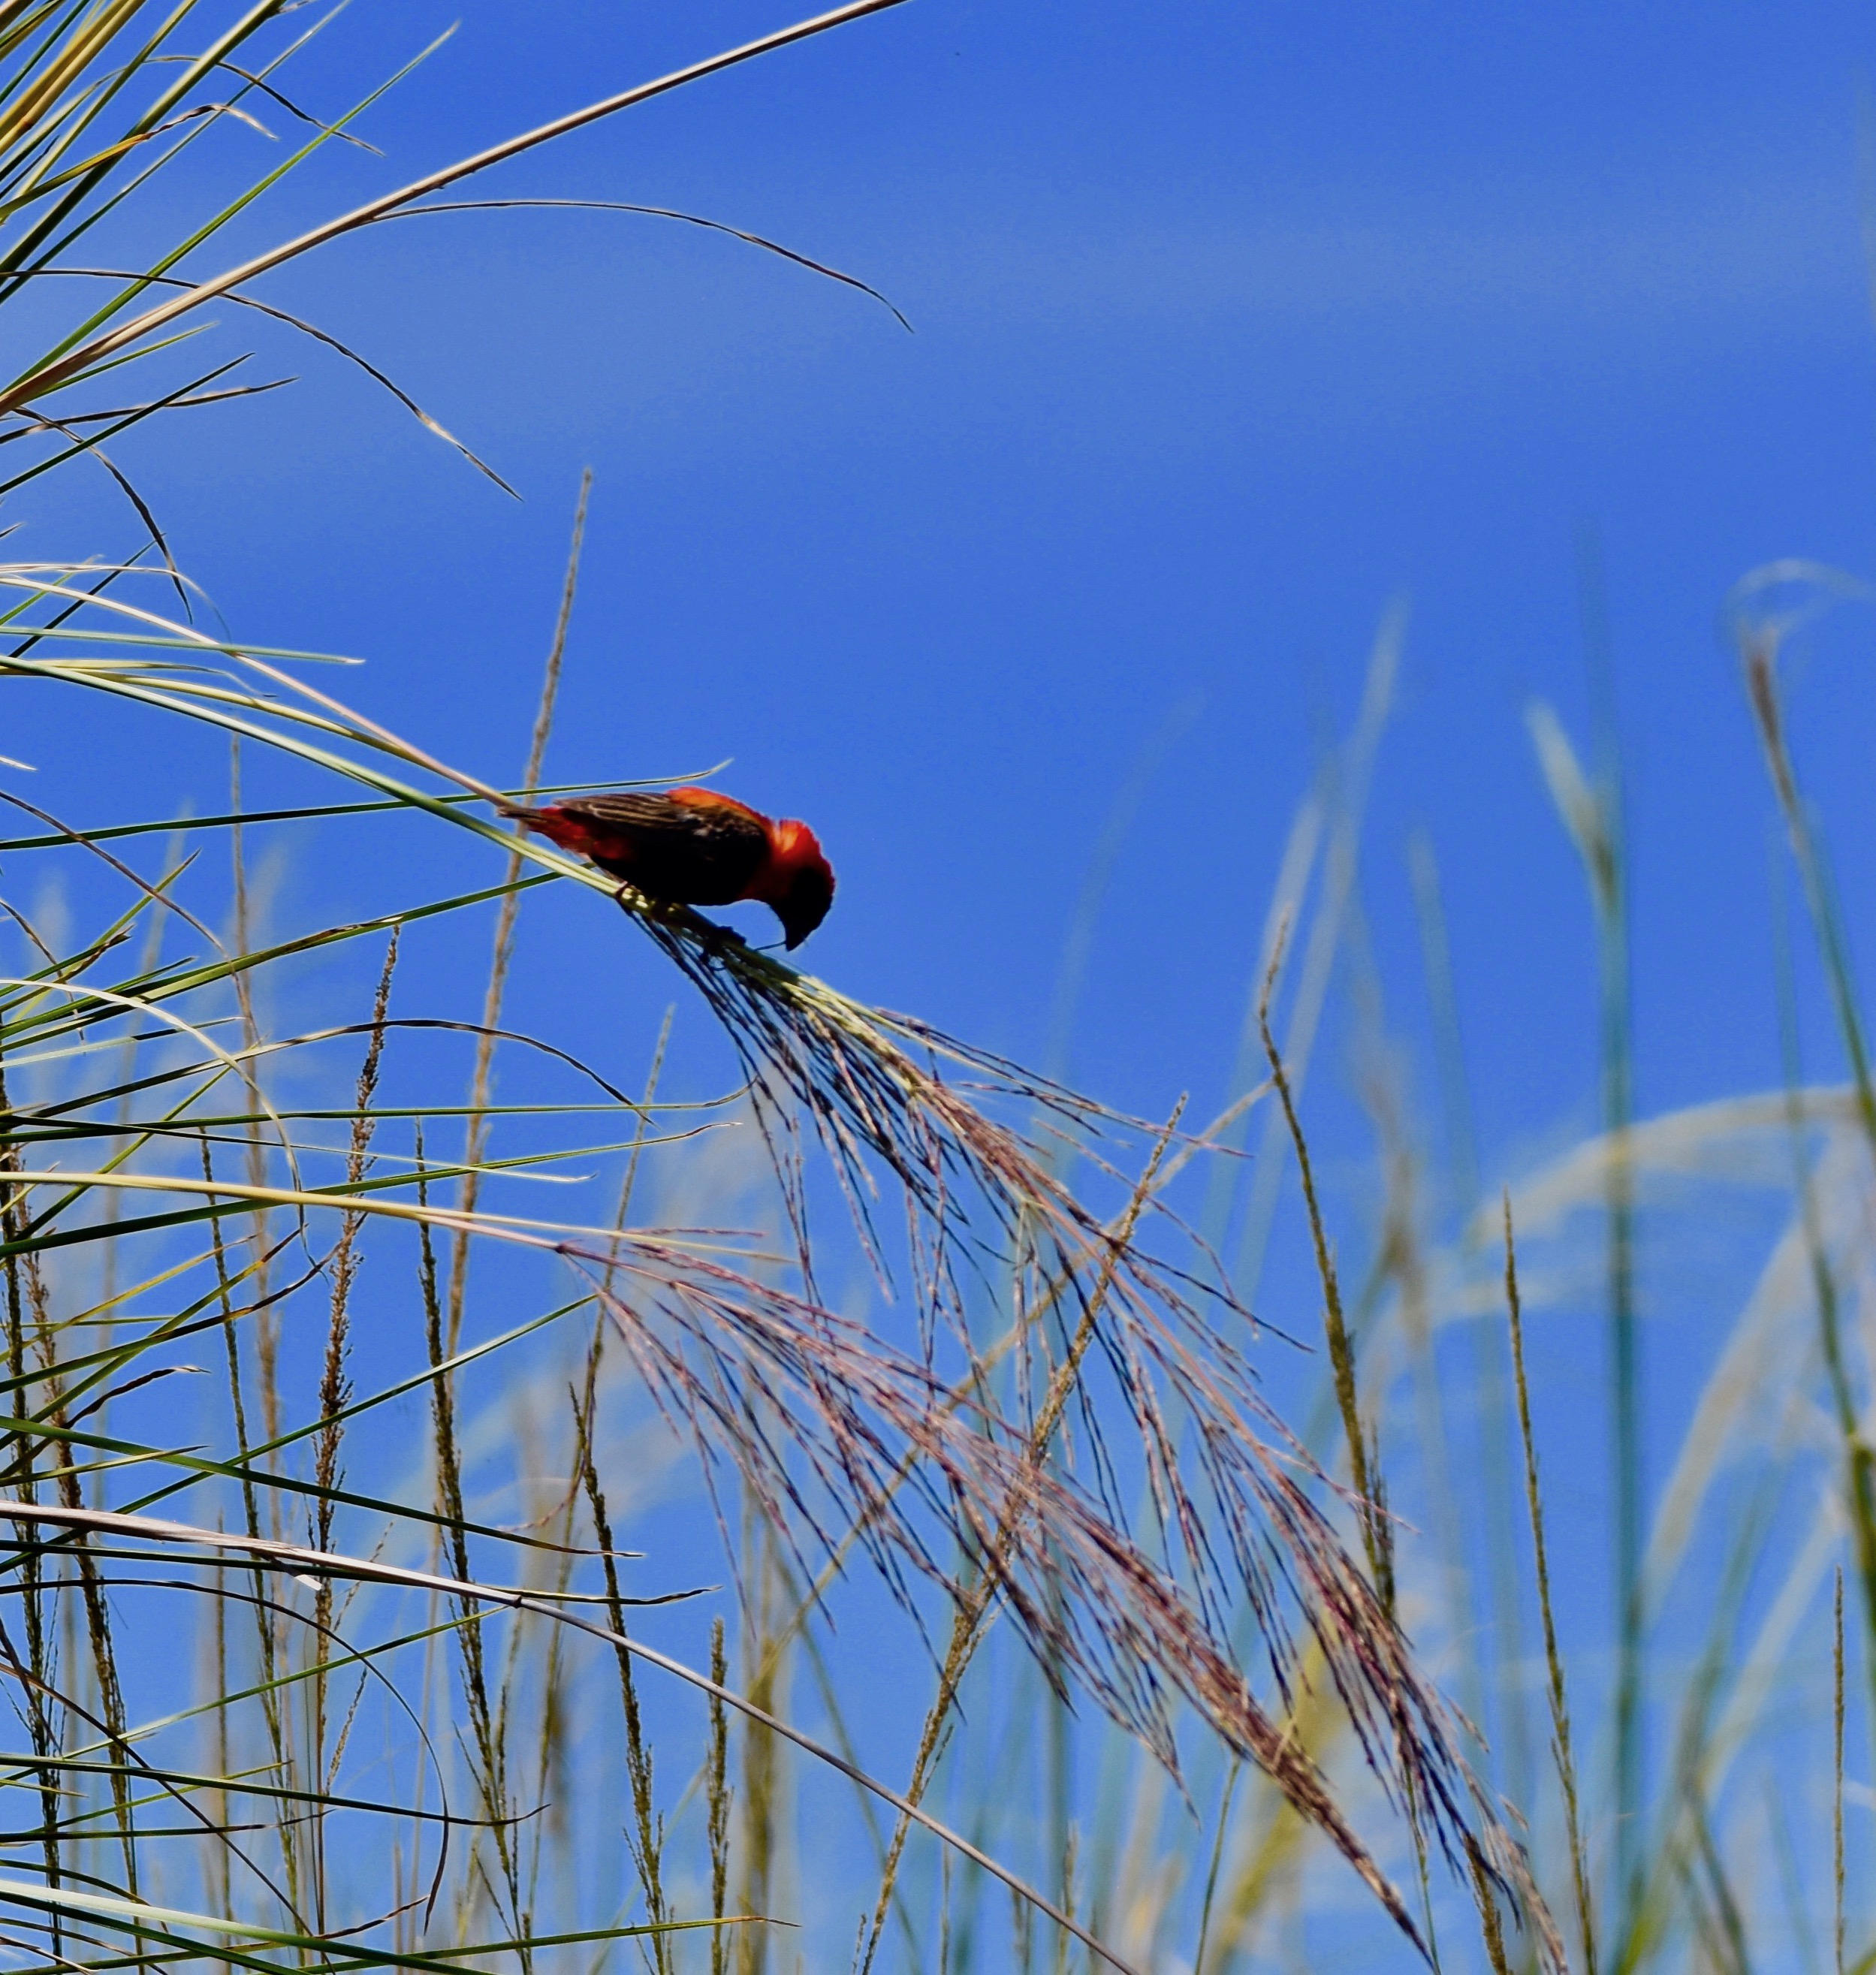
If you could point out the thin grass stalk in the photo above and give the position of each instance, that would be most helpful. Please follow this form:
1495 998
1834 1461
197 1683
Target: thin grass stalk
1341 1346
1293 873
829 1692
1837 1769
1271 1853
1724 1934
554 1779
1068 1898
1685 1859
1797 1918
147 964
489 1770
40 1727
267 1320
1113 1799
718 1797
1400 1262
1553 1661
221 1866
98 1631
762 1777
1859 1461
647 1849
527 1456
1609 876
1507 1722
1346 781
476 1138
647 1840
250 1506
1760 658
944 1938
101 1637
335 1397
1058 1743
1226 1798
490 1729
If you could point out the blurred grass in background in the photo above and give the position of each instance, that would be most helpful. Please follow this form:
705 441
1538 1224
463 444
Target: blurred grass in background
333 1435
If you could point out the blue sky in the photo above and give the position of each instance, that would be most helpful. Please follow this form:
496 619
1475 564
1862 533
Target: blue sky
1231 325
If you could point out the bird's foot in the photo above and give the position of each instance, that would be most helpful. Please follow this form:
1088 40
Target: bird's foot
716 937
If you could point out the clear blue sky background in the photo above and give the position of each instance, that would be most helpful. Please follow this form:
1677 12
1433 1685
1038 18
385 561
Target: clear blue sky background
1231 323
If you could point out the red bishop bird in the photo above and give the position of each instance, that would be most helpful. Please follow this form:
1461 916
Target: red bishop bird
692 846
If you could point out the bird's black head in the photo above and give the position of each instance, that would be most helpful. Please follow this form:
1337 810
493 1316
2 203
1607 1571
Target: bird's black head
807 890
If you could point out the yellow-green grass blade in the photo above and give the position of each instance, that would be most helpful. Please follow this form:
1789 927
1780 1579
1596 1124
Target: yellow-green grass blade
162 1922
74 353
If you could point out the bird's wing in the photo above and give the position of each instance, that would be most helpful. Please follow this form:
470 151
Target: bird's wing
713 803
670 817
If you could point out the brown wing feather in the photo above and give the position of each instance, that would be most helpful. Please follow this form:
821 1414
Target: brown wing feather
697 853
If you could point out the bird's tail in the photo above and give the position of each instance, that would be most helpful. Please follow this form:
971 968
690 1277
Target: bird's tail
516 812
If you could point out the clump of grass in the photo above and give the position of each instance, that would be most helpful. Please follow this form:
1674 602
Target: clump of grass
763 1379
1072 1439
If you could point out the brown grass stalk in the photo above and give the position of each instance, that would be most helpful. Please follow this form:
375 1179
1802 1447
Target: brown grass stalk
481 1077
335 1391
646 1838
1559 1702
717 1795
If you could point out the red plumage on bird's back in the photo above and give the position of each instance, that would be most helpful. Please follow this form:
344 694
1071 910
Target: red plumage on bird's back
696 846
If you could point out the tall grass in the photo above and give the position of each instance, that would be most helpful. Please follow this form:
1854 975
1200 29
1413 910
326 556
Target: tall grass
329 1651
